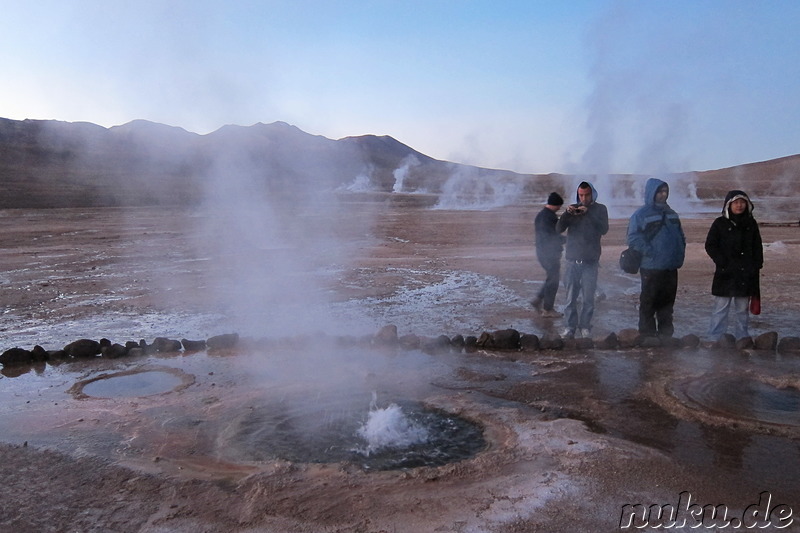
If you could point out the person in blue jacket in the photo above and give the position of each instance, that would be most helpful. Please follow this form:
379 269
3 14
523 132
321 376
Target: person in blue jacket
655 230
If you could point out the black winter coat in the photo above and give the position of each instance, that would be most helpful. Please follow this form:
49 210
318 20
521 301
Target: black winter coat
734 244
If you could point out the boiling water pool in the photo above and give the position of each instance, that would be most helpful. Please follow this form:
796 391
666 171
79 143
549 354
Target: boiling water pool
403 434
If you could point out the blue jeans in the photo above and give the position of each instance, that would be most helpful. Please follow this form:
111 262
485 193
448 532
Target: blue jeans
723 305
580 281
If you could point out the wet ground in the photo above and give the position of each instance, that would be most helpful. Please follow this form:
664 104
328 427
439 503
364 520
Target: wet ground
209 441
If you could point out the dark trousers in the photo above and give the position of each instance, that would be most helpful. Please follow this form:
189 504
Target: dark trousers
656 301
547 294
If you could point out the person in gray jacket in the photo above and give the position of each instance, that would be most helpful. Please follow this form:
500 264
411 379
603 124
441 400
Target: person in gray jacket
655 230
585 223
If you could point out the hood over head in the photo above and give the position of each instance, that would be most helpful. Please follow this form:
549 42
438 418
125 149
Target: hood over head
734 195
583 185
650 188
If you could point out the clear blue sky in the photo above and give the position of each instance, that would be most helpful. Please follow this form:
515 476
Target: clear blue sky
531 86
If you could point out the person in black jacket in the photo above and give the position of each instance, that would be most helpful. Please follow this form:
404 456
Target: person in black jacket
734 244
549 245
585 223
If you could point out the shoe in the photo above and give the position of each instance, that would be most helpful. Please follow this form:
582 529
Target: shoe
536 303
568 333
551 313
585 333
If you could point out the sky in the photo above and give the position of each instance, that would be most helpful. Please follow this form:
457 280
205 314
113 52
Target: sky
533 86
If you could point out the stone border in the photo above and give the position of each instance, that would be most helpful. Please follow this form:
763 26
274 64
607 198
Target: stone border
505 340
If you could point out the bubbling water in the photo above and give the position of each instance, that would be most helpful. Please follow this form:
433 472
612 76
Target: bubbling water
390 428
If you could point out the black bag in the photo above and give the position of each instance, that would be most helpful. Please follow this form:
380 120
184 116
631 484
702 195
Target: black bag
630 260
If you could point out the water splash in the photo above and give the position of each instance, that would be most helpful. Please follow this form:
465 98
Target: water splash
390 428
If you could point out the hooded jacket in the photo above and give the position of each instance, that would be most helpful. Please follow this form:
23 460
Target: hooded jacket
734 244
655 230
584 231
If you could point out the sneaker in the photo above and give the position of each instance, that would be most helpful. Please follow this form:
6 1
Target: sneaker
568 333
551 313
585 333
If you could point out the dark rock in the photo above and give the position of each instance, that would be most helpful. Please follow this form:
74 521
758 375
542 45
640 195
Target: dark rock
725 342
386 336
16 356
193 346
82 348
409 342
766 341
628 338
164 345
136 352
130 345
104 343
223 342
147 349
529 342
671 342
39 354
506 339
690 341
113 351
608 342
470 344
789 344
440 344
649 341
458 342
745 343
485 340
551 342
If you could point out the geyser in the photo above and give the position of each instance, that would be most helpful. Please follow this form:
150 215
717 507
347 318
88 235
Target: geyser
404 434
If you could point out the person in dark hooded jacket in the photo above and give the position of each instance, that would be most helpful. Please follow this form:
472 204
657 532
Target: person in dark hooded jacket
734 244
585 223
655 230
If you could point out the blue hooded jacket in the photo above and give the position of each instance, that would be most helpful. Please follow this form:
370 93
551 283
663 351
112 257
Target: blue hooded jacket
655 230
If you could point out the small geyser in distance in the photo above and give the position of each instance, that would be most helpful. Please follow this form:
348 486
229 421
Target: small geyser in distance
742 398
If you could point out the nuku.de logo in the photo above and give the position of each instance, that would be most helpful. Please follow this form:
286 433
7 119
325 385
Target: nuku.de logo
693 515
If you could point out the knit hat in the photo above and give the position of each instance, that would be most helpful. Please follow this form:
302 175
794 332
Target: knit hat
555 199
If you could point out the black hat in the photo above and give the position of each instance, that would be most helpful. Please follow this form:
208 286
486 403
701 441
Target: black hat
555 199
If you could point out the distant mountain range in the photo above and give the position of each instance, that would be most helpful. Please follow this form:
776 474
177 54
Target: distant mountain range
47 163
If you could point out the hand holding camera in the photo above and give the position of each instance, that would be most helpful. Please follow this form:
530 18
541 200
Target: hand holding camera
576 209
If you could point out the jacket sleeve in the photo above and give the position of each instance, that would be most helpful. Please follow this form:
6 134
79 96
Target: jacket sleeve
759 249
713 248
564 222
636 238
600 219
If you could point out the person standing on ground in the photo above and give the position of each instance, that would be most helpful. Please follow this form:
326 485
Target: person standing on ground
734 244
655 231
549 245
585 223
